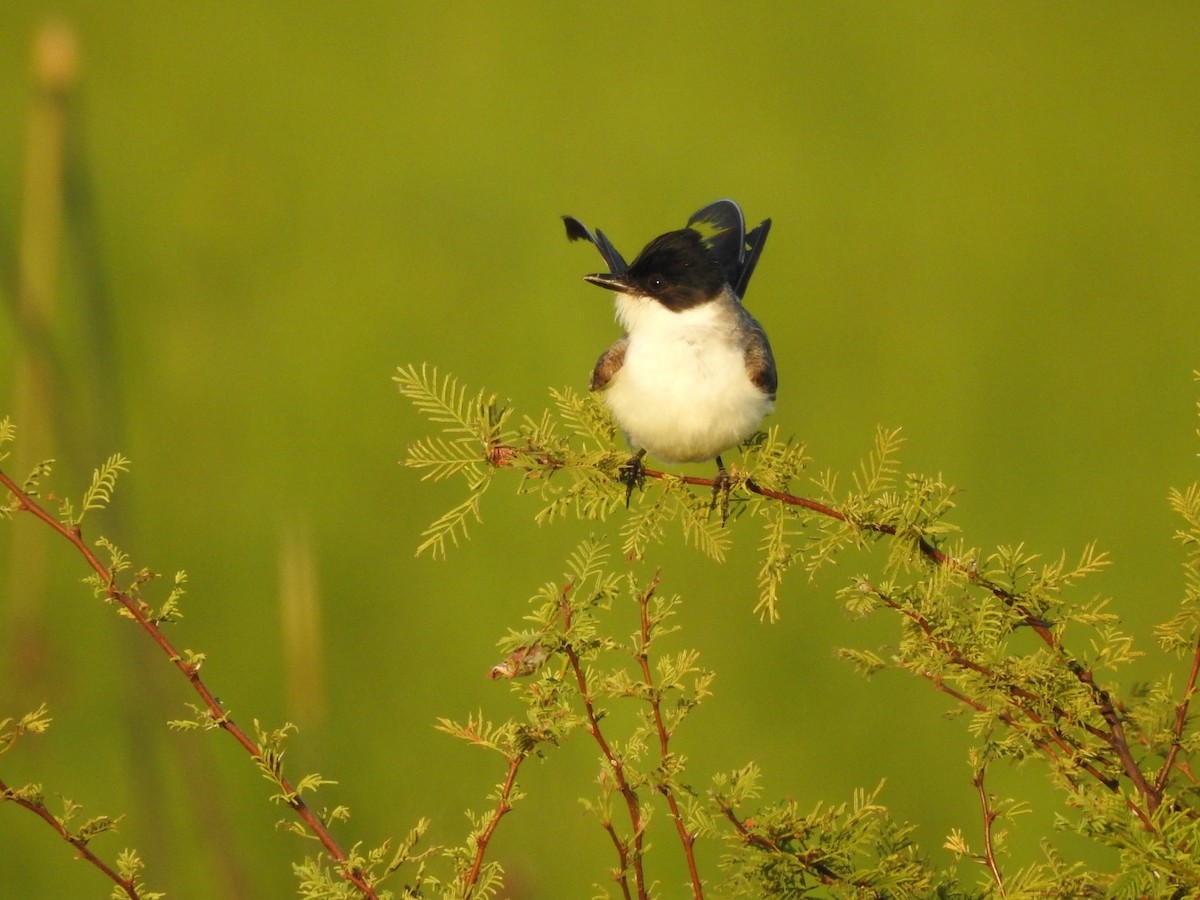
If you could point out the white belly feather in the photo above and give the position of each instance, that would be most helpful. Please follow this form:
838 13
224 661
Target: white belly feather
683 393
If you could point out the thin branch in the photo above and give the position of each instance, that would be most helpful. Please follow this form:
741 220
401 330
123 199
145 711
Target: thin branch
79 843
503 807
616 766
686 838
1114 737
825 874
621 873
989 817
1014 695
1013 692
1045 747
190 671
502 455
1181 714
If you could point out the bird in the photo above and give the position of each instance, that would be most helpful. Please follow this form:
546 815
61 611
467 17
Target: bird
692 376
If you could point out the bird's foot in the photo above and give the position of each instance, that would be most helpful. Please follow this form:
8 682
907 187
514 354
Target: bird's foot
631 474
721 486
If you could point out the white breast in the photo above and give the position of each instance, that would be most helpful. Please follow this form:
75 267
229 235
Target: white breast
683 393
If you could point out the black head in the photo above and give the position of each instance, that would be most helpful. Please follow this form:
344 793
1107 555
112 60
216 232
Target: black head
677 269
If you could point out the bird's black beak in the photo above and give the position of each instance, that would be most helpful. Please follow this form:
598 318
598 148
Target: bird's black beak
612 282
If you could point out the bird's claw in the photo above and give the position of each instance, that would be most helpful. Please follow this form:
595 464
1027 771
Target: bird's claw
721 487
632 474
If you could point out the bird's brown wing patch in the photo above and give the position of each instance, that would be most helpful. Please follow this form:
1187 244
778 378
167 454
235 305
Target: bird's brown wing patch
608 365
760 362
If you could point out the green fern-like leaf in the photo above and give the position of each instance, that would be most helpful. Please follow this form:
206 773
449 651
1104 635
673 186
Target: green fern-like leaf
104 482
777 558
585 416
1186 504
878 472
588 560
772 462
708 535
1090 562
473 443
96 825
451 526
644 526
129 867
445 401
8 434
35 722
865 662
542 432
119 560
169 611
441 400
578 484
311 782
702 528
39 473
442 459
1179 634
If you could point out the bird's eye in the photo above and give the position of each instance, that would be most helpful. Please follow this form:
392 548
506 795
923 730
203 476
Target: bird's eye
656 283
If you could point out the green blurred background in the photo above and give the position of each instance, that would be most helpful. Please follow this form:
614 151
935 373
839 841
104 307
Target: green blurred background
987 224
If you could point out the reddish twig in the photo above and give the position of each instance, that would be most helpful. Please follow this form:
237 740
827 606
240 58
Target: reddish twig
1114 733
79 843
686 838
1055 738
989 817
503 807
1022 700
1013 692
621 874
825 874
1114 736
217 712
615 764
1181 714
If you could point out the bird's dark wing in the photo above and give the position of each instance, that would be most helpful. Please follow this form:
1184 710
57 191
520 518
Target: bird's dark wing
760 362
723 228
608 364
754 244
577 231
